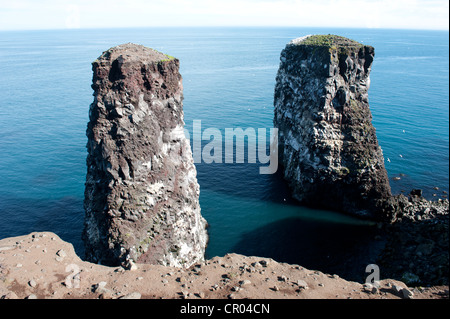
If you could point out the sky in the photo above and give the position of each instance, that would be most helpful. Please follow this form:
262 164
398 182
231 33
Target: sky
62 14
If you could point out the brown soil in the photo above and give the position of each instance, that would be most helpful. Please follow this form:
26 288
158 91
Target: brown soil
41 265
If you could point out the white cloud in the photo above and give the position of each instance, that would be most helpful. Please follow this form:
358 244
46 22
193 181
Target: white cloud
416 14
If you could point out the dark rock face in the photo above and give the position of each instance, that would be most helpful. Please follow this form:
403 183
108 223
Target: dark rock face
141 195
417 241
328 146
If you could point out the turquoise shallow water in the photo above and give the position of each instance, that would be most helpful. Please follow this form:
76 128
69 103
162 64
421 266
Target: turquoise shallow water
229 77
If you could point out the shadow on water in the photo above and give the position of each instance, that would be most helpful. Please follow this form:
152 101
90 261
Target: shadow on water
275 225
341 249
246 181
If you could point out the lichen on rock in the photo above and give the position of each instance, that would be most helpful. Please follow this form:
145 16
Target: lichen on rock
141 195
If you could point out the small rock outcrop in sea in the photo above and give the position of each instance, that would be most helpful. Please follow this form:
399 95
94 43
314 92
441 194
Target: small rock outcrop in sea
328 145
417 245
141 195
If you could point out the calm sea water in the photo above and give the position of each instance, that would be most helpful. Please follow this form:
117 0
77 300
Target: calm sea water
229 77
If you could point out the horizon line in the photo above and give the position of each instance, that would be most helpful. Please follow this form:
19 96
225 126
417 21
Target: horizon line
223 26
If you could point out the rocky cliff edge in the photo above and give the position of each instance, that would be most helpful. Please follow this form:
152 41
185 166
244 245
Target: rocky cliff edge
41 265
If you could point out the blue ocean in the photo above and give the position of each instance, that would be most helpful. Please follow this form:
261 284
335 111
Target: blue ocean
229 78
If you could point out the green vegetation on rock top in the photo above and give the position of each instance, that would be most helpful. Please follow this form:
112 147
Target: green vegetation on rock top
134 52
169 58
334 43
331 41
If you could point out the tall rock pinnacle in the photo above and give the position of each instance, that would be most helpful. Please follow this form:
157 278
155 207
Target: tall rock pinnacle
141 195
328 146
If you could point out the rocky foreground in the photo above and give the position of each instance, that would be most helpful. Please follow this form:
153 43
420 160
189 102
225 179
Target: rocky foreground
41 265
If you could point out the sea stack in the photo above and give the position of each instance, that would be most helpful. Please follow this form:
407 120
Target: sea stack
141 195
328 145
